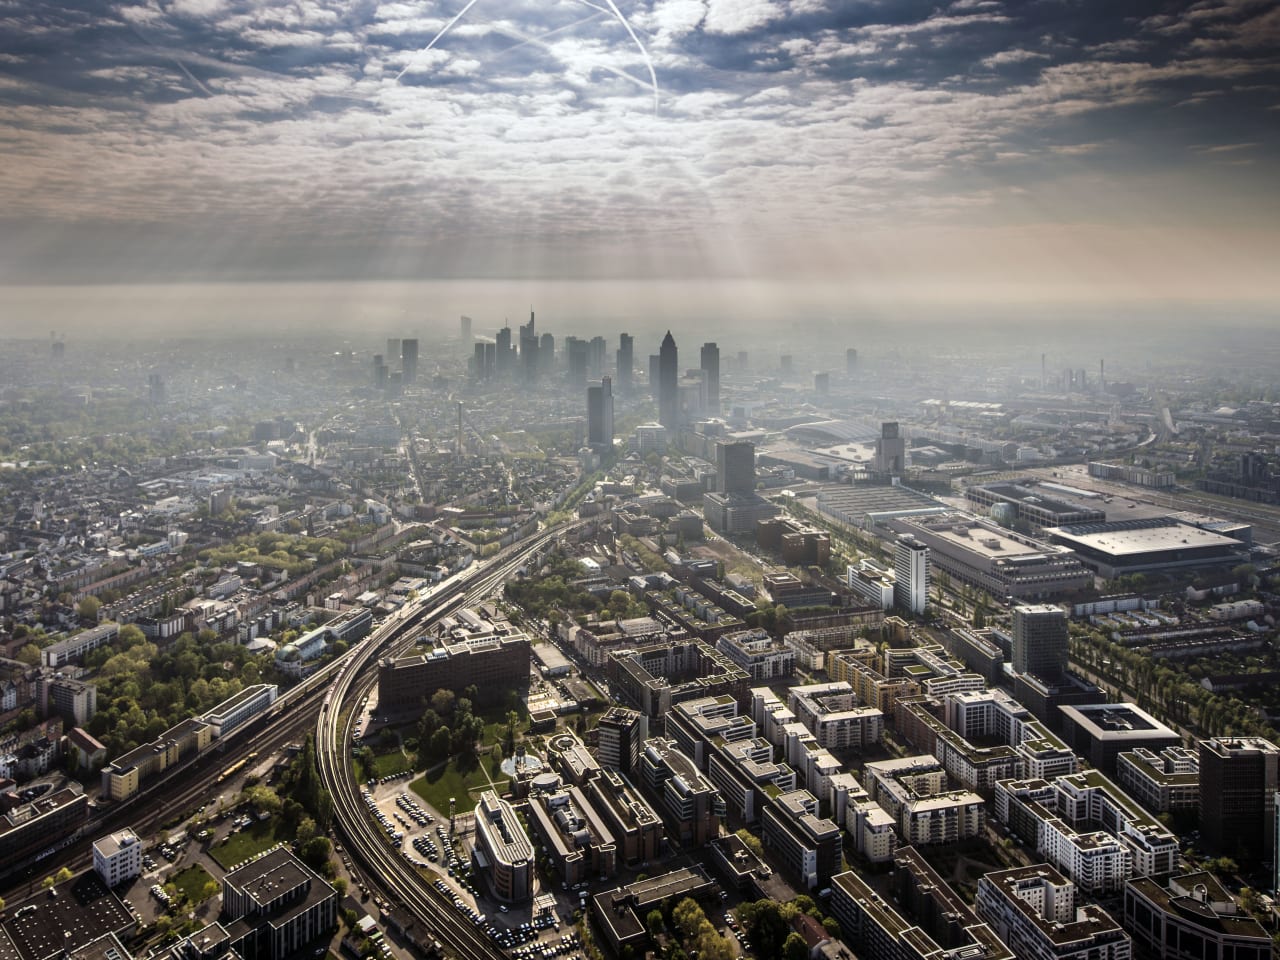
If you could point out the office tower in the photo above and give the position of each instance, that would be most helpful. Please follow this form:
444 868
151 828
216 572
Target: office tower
711 376
822 384
490 360
464 331
1040 641
668 383
786 364
477 361
529 351
546 353
600 414
155 388
626 362
654 379
1275 842
850 361
621 732
409 360
743 365
575 352
393 348
502 352
891 451
736 467
911 569
1238 781
596 350
379 371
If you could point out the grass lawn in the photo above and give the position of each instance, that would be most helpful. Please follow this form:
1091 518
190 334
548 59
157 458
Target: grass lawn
388 764
246 843
448 781
190 883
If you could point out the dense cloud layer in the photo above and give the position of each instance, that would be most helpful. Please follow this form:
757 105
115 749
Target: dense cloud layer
871 142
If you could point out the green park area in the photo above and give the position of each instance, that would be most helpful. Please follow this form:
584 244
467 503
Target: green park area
446 780
247 843
195 884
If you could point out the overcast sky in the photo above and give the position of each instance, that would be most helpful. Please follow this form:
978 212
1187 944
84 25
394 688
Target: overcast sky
1053 150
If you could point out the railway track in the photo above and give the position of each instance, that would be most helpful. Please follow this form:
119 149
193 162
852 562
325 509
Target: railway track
400 879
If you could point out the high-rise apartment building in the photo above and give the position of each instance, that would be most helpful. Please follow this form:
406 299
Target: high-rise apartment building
736 467
600 414
911 569
1040 641
464 331
1238 782
711 377
626 363
409 360
668 383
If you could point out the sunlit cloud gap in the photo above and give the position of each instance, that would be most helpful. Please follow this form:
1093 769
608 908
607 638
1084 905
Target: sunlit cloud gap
611 9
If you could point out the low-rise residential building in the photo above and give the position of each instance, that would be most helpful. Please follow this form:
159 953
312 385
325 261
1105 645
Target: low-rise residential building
1033 910
831 713
1164 782
1061 819
806 846
123 777
756 652
240 709
872 927
689 803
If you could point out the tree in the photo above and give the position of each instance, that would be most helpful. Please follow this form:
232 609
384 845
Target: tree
793 948
752 842
210 889
832 926
438 748
88 608
29 654
654 923
442 702
305 831
315 852
63 875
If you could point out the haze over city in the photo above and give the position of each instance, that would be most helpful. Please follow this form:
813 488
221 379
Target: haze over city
847 156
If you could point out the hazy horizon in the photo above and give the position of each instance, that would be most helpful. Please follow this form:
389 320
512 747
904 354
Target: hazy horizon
859 155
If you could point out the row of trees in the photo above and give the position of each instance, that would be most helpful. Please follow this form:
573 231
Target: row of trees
1158 687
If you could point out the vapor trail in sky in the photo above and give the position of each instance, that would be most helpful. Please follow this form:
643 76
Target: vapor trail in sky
447 27
653 75
612 8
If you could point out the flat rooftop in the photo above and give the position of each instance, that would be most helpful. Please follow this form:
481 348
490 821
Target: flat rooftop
1130 538
80 913
1117 721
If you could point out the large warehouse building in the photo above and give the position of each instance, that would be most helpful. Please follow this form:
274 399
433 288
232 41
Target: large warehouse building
1149 545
